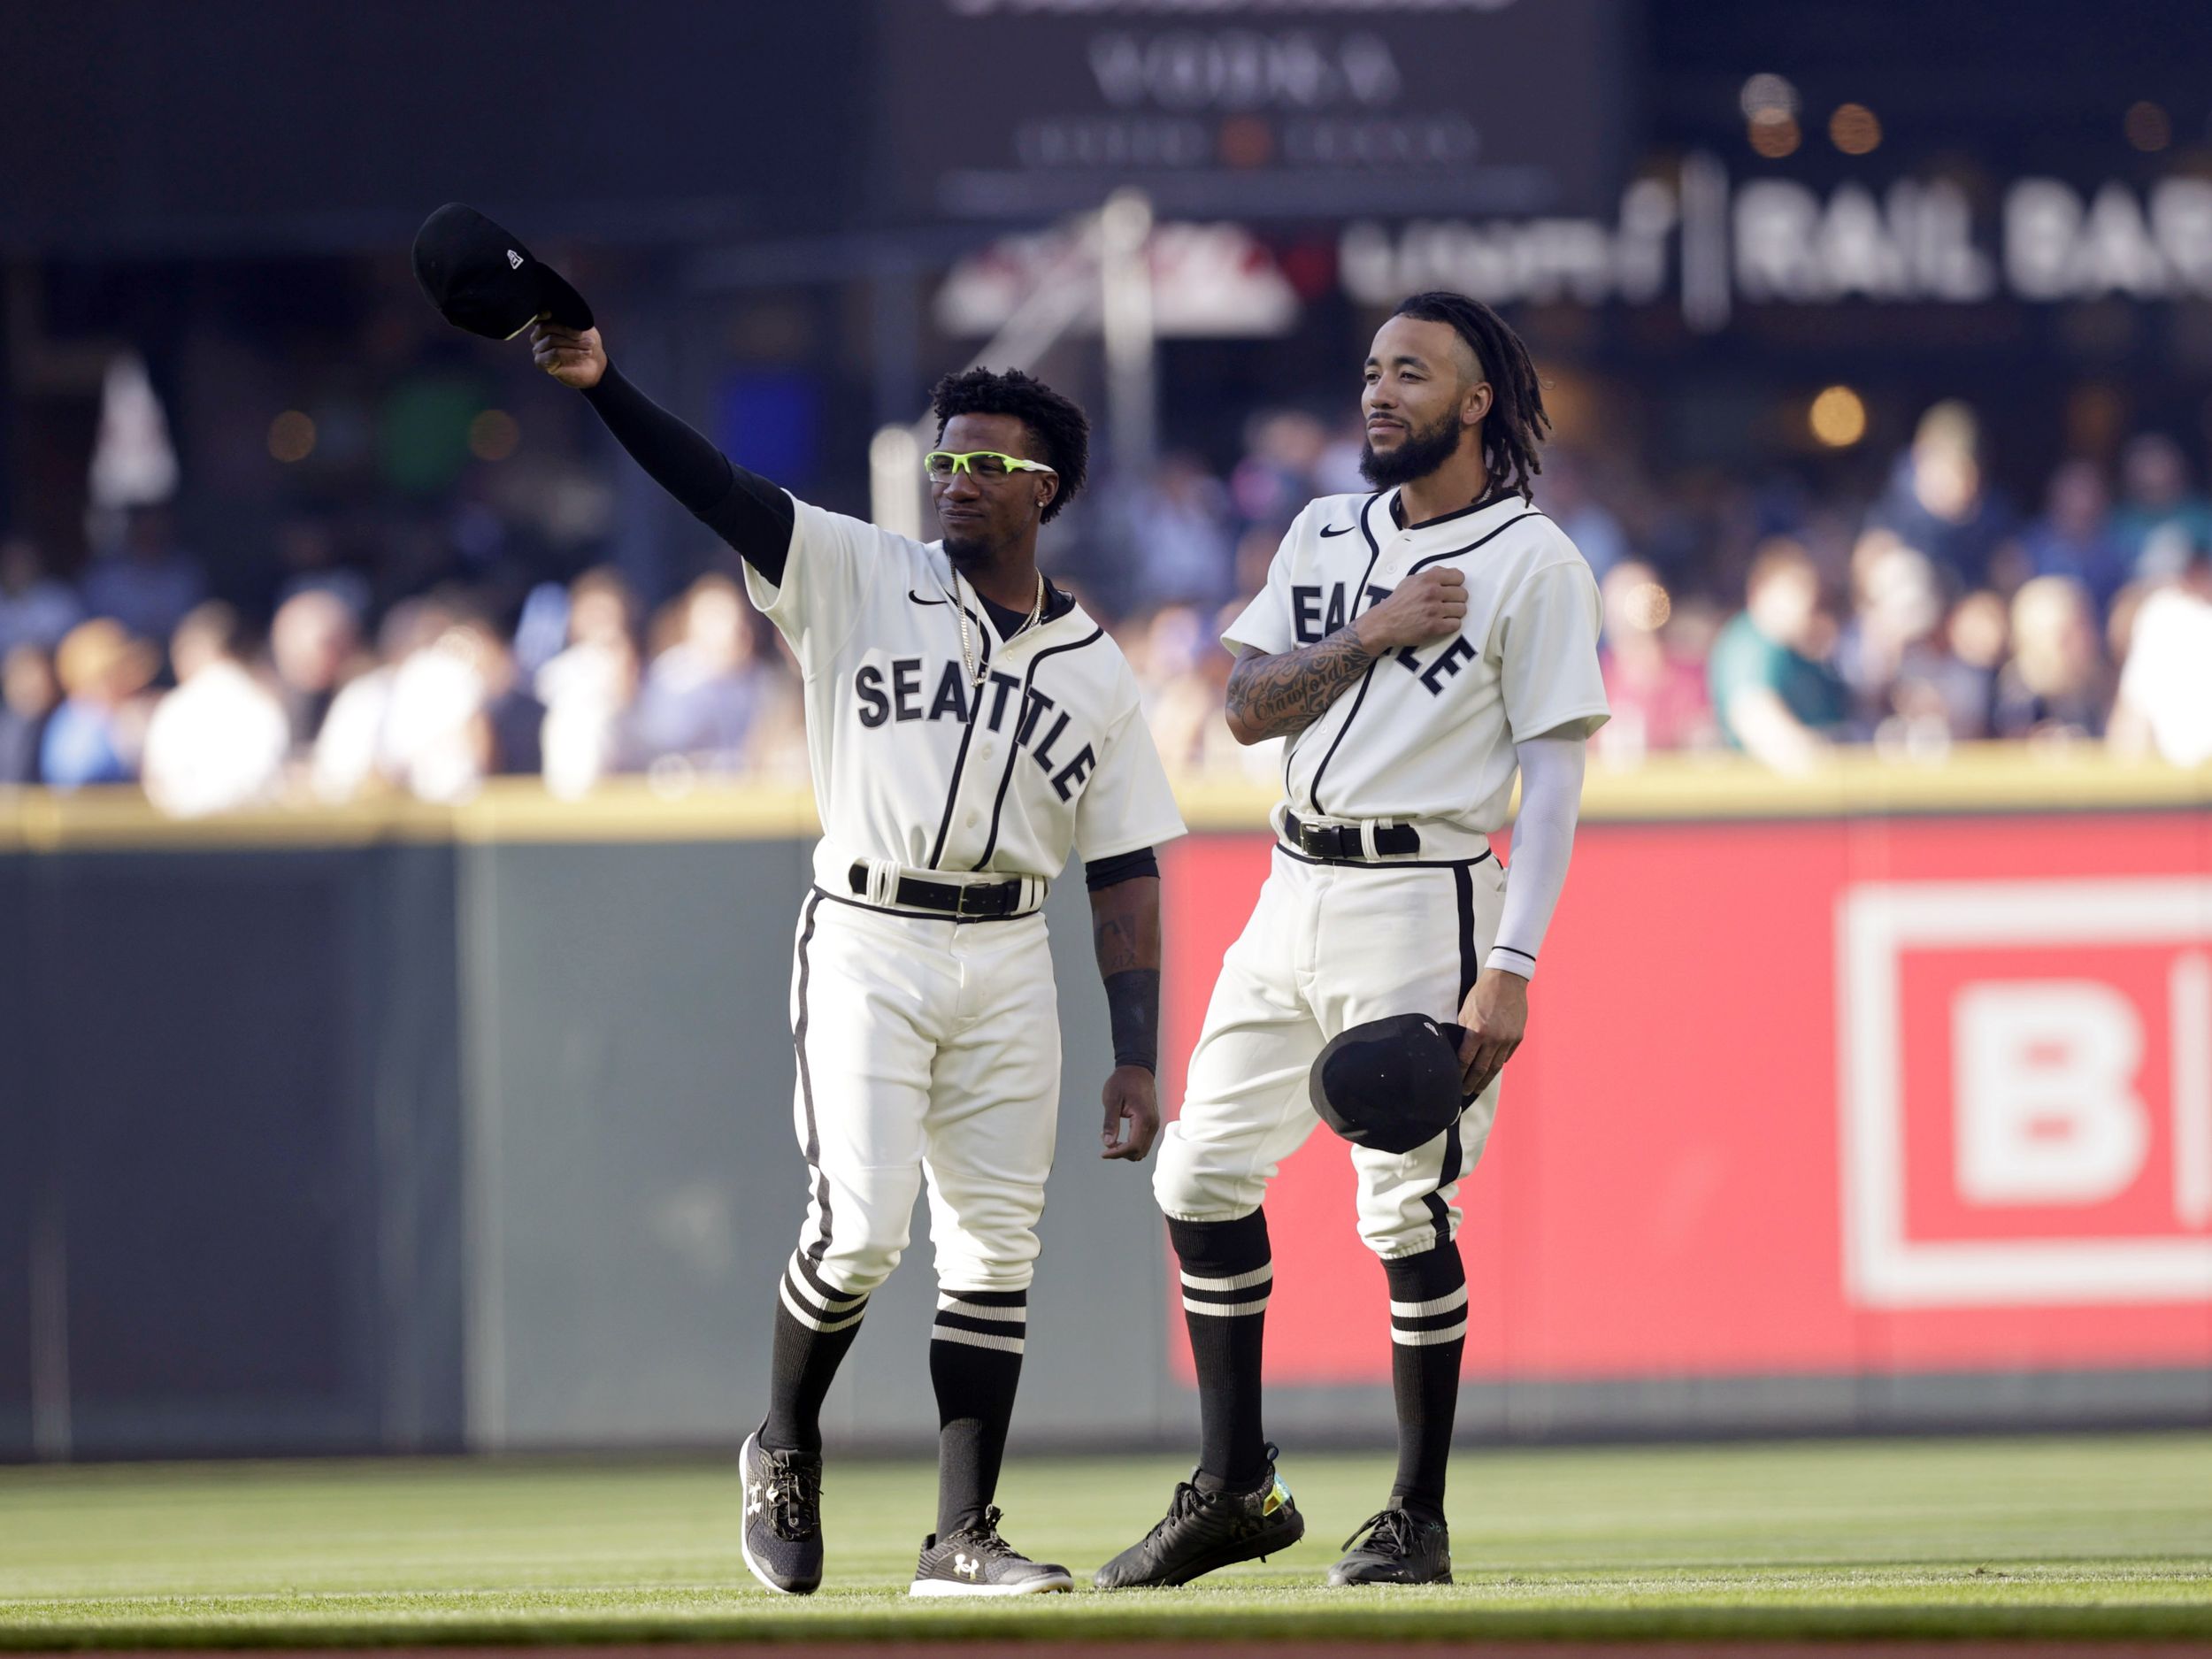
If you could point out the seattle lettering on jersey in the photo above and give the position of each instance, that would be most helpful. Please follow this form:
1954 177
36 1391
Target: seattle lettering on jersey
1313 624
1431 740
895 696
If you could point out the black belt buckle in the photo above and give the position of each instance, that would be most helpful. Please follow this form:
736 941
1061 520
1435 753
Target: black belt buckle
996 899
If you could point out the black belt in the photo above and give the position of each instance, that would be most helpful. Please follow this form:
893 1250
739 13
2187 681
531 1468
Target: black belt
1344 840
982 898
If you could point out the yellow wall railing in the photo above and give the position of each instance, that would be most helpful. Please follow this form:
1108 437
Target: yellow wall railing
1979 778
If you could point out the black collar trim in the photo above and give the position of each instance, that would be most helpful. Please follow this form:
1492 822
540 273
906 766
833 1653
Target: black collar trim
1489 498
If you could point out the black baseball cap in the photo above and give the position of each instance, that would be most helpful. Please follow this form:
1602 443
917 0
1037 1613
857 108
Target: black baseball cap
1391 1083
482 278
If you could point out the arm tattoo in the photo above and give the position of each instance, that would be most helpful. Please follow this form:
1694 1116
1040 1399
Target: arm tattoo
1126 926
1279 697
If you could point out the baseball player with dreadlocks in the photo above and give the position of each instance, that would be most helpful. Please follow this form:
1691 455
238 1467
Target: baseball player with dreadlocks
1417 647
967 724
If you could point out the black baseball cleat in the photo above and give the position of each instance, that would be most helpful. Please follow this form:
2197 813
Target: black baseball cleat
1206 1530
976 1560
782 1536
1402 1547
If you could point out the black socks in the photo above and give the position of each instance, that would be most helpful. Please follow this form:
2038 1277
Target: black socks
1226 1275
975 1361
1428 1333
815 1326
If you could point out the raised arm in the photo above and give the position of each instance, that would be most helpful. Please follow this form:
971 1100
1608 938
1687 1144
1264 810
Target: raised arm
1125 933
1279 696
744 509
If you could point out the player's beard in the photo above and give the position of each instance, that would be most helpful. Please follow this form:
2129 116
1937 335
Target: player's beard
1420 453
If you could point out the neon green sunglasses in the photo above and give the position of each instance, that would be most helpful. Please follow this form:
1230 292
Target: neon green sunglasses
941 465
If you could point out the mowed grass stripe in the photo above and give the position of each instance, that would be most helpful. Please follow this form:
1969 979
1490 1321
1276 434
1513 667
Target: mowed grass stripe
2079 1537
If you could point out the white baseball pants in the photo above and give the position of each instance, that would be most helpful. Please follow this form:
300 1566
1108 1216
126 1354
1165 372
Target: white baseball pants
928 1051
1331 946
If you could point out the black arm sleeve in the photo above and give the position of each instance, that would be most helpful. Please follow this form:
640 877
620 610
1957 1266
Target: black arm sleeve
1132 1012
1121 867
744 509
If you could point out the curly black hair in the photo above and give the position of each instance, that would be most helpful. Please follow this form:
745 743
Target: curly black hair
1062 430
1517 423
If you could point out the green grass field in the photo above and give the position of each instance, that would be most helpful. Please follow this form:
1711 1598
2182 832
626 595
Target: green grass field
2076 1538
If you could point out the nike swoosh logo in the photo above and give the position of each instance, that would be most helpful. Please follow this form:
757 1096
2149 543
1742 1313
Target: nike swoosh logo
918 600
1342 529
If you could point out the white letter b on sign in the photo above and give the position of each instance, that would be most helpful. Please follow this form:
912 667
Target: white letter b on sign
2048 1111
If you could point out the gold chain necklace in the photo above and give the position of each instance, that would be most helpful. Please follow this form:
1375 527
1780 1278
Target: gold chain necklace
975 667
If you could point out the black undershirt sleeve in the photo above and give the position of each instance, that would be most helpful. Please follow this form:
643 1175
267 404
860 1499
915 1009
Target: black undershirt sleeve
741 507
1106 873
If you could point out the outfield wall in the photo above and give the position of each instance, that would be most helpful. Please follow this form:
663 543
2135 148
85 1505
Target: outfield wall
1879 1099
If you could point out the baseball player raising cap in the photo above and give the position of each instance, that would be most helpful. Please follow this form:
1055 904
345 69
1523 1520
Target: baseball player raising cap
1418 647
967 724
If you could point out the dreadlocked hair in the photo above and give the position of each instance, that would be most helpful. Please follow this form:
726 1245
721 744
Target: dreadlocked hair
1517 423
1061 429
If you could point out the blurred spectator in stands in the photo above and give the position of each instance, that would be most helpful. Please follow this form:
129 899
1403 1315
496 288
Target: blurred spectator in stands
307 551
2165 698
1938 499
589 689
2055 685
218 742
355 750
1563 491
1659 700
28 696
2160 518
96 733
312 644
36 607
1774 691
1186 676
437 731
1978 634
1284 448
148 582
2074 536
1911 687
514 719
1177 526
705 690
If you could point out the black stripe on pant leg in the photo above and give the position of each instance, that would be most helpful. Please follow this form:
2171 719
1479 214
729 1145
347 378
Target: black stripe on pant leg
1470 970
806 1088
1440 1212
1463 881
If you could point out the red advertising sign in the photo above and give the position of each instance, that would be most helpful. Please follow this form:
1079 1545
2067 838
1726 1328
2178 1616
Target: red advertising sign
1835 1097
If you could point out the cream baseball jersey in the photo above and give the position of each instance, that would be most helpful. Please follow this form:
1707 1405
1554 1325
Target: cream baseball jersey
1428 733
915 764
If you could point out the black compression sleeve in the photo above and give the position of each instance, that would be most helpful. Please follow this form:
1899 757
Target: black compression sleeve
744 509
1106 873
1132 1008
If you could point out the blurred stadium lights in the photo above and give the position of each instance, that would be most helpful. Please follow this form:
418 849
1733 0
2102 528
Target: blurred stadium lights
2147 127
493 435
1836 418
134 462
1774 137
1855 130
292 436
1767 98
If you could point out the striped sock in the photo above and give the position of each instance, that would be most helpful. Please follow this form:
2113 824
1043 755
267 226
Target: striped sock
1226 1275
1428 1335
815 1323
975 1364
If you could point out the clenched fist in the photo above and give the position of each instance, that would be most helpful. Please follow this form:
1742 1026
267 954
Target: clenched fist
1427 605
571 356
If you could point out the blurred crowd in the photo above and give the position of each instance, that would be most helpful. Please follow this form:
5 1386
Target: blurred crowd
1757 617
